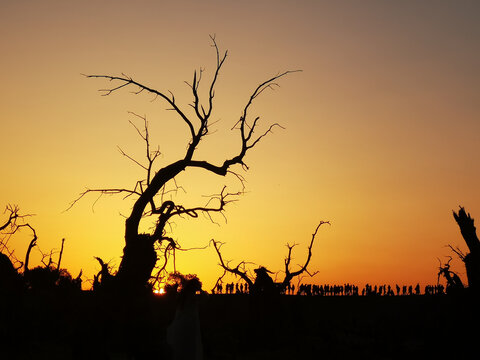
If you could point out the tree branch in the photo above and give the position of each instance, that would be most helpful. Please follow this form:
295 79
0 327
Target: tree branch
126 81
222 199
31 245
60 255
13 216
236 270
246 132
289 275
112 191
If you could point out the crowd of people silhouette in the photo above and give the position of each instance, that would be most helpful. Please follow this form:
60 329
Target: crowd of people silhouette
338 290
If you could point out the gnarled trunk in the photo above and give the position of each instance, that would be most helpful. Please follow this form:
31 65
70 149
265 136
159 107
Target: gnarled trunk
139 259
471 260
139 256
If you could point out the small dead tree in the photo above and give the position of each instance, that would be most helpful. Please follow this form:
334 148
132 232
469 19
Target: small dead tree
240 270
261 273
139 255
289 275
472 259
14 222
454 284
48 276
38 276
10 279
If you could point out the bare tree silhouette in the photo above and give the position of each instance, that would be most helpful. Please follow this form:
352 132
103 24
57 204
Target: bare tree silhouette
289 275
240 270
14 222
46 277
472 259
454 284
261 273
139 255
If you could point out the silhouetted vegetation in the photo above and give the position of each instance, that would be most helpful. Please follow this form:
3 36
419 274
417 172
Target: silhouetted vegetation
454 283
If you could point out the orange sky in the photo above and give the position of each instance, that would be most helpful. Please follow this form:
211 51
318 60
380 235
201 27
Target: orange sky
381 128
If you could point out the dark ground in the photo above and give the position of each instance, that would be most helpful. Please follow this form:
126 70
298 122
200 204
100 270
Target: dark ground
404 327
88 326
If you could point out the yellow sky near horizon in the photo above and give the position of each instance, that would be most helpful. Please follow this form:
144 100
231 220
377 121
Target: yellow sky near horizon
381 128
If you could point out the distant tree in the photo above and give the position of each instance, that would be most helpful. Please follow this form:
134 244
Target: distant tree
49 276
178 282
10 279
289 274
472 259
46 277
139 254
454 284
257 282
14 221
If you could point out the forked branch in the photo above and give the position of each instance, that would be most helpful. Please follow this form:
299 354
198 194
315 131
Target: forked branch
13 217
125 81
31 245
289 275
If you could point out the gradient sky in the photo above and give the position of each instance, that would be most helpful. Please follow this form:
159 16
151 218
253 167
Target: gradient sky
381 136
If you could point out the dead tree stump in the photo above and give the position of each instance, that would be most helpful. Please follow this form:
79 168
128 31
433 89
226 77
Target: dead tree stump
472 259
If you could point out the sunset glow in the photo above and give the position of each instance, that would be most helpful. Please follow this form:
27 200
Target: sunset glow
380 133
160 291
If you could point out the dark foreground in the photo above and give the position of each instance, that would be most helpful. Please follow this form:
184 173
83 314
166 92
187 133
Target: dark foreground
88 326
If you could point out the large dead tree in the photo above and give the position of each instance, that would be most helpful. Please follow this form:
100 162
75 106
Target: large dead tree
241 269
472 259
139 255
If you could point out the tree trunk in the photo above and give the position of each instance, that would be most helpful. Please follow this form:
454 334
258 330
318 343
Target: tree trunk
471 260
472 265
139 259
139 256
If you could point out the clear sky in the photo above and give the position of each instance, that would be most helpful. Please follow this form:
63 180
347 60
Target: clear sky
381 136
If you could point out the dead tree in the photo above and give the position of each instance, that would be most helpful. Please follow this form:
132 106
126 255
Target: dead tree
49 275
262 273
10 279
264 284
289 275
240 270
139 255
454 283
12 224
472 259
103 280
